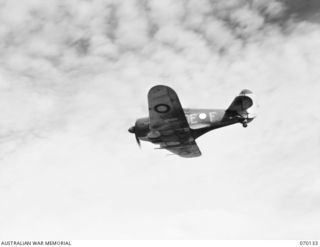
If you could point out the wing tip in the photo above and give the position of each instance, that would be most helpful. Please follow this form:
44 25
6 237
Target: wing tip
159 88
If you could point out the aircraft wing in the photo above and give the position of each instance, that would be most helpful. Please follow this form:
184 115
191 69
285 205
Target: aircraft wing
187 150
167 118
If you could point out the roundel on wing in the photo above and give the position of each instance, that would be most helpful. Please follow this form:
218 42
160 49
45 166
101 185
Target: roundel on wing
162 108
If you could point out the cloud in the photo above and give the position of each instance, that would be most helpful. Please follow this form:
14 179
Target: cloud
74 76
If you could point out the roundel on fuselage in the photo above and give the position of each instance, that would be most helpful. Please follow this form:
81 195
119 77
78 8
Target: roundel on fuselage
162 108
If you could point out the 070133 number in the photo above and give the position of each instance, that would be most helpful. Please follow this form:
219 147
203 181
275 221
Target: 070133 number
308 243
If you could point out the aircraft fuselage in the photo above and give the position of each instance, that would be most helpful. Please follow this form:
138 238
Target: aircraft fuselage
200 121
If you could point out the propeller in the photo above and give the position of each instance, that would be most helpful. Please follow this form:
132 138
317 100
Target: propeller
133 130
138 141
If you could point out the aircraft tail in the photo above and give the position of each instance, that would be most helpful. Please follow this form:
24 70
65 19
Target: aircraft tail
245 105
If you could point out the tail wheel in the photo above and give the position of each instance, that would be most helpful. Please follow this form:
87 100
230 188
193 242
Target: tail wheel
243 119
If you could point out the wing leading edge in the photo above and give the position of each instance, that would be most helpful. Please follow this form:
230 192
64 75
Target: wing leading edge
168 119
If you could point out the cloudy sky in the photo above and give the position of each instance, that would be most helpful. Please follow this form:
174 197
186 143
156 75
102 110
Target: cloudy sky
74 76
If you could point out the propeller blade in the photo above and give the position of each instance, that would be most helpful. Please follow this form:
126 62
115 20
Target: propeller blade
138 141
133 131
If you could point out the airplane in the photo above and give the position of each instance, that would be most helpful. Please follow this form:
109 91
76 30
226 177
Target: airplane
176 129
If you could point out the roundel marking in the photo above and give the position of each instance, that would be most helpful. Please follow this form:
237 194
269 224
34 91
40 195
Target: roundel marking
162 108
202 116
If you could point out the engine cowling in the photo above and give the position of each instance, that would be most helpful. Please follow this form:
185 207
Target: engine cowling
140 129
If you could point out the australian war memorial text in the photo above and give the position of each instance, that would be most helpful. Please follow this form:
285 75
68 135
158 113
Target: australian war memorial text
35 243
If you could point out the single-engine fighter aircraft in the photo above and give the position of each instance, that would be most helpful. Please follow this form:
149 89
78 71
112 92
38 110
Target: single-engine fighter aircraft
176 129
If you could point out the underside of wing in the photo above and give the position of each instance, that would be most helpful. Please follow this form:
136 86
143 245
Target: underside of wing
165 111
187 150
168 122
